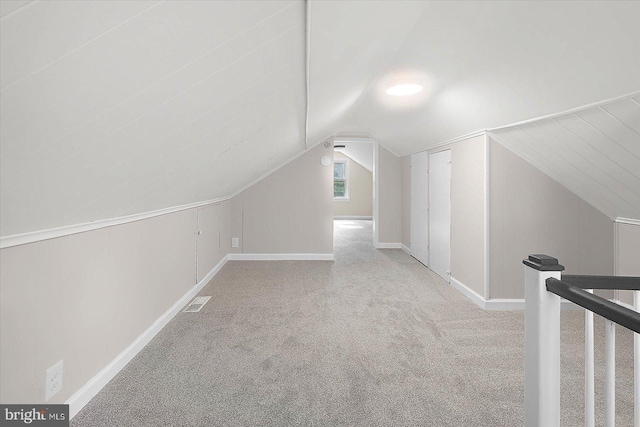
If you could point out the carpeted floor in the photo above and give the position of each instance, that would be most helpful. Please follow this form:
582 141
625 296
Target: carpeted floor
372 339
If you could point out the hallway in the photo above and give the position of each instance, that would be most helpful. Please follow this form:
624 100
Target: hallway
372 339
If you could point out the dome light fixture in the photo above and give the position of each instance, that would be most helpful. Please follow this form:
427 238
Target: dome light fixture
404 90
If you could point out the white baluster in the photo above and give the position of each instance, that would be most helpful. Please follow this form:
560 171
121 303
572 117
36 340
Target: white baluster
610 374
589 390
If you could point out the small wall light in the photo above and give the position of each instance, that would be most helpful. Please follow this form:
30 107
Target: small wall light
325 161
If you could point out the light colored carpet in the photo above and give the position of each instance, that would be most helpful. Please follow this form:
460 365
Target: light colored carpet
372 339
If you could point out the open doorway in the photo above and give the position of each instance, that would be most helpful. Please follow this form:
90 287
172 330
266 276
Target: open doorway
353 190
353 180
352 239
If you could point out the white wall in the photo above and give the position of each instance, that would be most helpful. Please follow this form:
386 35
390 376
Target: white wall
529 212
406 201
213 241
289 211
84 298
467 212
360 201
627 238
389 221
532 213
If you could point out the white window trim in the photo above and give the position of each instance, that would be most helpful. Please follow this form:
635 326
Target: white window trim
347 180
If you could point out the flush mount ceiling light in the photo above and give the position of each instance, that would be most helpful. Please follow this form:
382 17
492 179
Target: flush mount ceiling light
404 90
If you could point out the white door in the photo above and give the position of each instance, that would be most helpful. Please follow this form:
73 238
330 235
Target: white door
440 213
420 207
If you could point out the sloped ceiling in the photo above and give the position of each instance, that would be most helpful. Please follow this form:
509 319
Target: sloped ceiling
483 64
111 108
594 152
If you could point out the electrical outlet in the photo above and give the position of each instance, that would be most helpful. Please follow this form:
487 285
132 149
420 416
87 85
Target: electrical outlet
53 382
234 242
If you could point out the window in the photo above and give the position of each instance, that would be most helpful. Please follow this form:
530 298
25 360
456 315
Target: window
341 179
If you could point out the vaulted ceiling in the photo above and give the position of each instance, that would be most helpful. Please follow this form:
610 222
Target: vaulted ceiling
111 108
483 64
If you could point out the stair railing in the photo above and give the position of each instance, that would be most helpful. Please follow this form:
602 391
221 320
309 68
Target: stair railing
544 286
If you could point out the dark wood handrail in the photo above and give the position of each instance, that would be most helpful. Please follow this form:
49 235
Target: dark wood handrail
615 312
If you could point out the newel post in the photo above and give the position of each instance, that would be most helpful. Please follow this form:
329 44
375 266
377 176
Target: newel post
542 342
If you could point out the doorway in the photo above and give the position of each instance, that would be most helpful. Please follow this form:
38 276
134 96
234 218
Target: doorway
353 180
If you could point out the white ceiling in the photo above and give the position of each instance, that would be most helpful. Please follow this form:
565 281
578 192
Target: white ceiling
593 152
483 64
111 108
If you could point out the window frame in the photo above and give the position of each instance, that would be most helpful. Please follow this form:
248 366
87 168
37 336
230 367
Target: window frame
347 179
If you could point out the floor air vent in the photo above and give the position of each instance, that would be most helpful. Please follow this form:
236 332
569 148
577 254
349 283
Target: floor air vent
196 304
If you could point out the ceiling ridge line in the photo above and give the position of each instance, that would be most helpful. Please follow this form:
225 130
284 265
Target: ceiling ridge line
80 47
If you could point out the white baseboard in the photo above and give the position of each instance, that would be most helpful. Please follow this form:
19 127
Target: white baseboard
475 297
379 245
95 384
405 248
281 257
504 304
347 217
500 304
